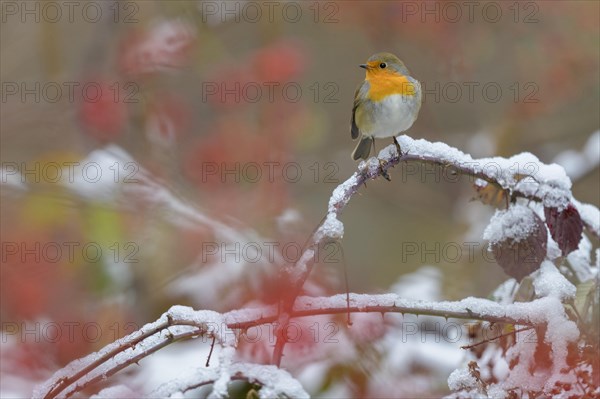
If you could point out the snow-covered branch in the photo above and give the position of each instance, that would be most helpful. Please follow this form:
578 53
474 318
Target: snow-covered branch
181 323
521 176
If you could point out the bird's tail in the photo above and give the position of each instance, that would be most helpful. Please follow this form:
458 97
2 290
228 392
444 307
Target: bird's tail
363 148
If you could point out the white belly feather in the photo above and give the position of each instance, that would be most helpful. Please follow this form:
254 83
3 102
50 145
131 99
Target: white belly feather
393 115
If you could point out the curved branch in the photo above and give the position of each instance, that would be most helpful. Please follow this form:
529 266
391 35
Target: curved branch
140 343
523 176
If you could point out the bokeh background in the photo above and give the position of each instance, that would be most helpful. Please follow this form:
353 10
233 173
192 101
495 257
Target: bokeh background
187 98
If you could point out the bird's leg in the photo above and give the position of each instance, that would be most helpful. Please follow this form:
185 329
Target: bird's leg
373 145
398 147
383 172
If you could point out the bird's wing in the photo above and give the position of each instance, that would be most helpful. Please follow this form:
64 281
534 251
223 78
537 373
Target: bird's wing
360 92
418 91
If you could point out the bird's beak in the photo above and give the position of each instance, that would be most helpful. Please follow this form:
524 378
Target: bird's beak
363 66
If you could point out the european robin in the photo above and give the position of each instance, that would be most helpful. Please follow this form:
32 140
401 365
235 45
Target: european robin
385 104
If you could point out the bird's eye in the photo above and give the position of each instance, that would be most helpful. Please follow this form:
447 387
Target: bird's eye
382 65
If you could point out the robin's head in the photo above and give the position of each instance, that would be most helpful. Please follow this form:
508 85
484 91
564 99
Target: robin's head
384 64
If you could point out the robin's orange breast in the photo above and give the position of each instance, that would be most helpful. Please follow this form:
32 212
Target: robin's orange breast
383 85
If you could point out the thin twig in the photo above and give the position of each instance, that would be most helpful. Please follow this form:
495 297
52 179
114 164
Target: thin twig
485 341
346 286
212 347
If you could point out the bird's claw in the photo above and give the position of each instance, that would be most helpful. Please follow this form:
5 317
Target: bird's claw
382 171
398 147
